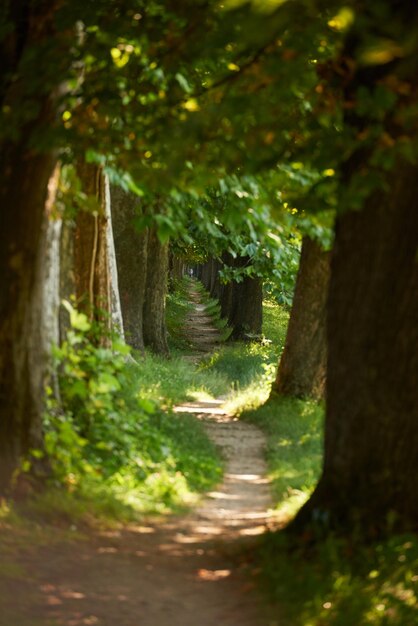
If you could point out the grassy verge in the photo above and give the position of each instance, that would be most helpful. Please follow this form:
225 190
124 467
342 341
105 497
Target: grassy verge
340 581
177 309
294 449
248 368
116 448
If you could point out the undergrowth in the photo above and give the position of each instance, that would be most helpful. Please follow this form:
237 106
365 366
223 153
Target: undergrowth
115 447
248 368
177 309
117 450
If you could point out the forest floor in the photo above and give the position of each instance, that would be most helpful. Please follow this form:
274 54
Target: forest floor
188 570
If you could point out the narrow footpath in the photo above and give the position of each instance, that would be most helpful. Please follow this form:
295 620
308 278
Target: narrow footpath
177 571
201 331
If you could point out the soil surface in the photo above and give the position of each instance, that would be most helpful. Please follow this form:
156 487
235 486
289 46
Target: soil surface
201 331
178 571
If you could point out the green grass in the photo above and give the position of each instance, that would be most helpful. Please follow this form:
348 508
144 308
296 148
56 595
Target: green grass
249 367
294 449
170 381
120 452
177 309
342 582
168 461
116 447
339 581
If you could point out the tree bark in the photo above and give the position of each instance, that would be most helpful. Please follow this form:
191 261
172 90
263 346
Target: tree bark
205 275
176 267
370 473
67 278
246 314
115 303
23 363
131 256
155 333
24 176
302 367
242 302
91 259
371 436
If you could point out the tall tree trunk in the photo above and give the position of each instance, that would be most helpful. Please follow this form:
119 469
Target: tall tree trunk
131 256
91 260
49 281
115 303
23 364
371 435
205 274
214 268
241 302
67 278
24 176
302 367
155 333
176 267
370 473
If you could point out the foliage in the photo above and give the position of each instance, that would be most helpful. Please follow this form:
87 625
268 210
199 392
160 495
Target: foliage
114 430
239 217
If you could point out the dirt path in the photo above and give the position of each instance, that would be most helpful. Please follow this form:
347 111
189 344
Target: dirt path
182 571
201 332
179 571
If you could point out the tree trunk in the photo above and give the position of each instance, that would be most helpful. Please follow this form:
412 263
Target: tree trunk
115 303
214 267
49 282
302 367
246 315
23 363
371 436
131 257
155 333
24 176
205 274
242 302
91 261
176 265
370 473
67 278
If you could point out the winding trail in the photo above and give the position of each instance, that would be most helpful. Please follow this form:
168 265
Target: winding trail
178 571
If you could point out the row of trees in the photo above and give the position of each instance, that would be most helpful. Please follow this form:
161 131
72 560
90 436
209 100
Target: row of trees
317 100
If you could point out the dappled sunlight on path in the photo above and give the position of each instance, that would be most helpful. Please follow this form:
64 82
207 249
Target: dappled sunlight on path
189 570
175 571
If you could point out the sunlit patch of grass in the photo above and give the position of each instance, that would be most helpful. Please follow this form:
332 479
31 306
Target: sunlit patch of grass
249 368
170 381
169 468
294 449
199 395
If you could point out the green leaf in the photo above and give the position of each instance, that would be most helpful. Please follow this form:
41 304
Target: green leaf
146 405
183 82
